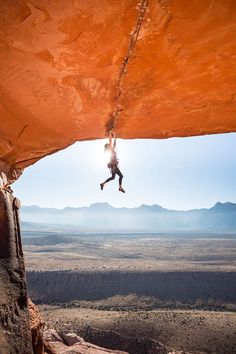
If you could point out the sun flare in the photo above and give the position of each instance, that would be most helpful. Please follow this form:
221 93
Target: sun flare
102 157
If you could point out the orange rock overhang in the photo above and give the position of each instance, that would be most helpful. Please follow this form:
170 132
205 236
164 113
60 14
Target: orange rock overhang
167 67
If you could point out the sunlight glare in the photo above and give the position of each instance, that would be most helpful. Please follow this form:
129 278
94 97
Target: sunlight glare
101 157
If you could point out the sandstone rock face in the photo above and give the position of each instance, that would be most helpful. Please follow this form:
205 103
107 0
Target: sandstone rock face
162 68
71 338
36 327
83 348
51 335
14 319
73 344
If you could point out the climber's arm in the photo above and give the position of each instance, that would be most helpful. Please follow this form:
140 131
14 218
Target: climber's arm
110 138
114 141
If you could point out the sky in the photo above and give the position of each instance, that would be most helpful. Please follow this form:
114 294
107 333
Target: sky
176 173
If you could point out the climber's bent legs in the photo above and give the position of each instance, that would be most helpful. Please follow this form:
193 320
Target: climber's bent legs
117 171
111 178
108 180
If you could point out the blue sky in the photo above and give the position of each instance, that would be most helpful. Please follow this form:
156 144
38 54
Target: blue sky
177 173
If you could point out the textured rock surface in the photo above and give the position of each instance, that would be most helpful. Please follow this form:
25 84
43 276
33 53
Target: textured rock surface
83 348
40 342
71 338
137 345
51 335
134 343
14 320
36 327
74 344
67 65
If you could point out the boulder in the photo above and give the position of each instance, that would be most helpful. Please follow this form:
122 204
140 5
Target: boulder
71 343
83 348
51 335
71 339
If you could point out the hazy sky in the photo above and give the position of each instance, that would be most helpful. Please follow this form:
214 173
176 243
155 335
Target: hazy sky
177 173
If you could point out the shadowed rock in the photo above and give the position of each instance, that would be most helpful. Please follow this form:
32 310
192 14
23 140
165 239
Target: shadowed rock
73 344
14 320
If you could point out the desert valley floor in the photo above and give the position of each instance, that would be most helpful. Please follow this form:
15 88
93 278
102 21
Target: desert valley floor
179 289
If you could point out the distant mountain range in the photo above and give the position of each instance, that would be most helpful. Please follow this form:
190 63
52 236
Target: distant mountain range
151 218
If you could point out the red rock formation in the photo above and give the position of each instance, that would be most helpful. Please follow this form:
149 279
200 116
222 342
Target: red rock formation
14 320
36 327
83 348
168 66
73 344
40 345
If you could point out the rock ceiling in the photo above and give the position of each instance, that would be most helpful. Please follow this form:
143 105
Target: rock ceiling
162 68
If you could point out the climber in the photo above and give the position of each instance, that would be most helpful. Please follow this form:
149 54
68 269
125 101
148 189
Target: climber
110 148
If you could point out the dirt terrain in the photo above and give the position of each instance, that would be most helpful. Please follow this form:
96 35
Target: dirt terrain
188 330
128 291
168 252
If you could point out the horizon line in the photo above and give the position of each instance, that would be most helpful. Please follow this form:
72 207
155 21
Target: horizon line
124 207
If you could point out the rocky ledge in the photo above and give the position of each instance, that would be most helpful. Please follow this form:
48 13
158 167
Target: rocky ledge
50 342
73 344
